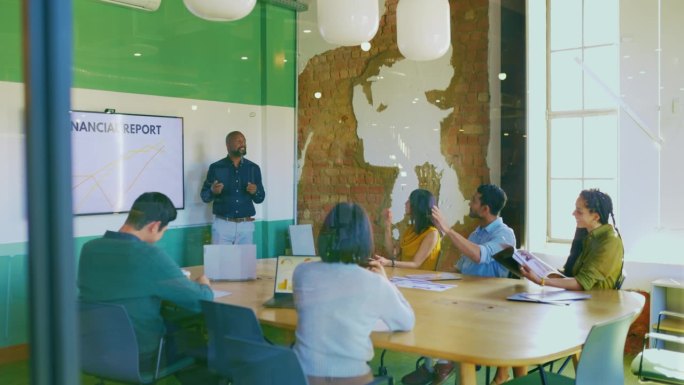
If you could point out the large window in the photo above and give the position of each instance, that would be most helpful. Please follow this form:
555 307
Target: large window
605 84
582 105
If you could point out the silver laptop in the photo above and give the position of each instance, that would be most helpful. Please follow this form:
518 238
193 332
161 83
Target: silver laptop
301 239
282 290
230 262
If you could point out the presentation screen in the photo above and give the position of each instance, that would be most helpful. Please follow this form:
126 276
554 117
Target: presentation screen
117 157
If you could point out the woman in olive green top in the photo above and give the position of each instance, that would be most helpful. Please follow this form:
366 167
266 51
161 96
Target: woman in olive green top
595 260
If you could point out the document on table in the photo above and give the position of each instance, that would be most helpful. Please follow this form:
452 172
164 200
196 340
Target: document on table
220 293
553 297
419 284
438 276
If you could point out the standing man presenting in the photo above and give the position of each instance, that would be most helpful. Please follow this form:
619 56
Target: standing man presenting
234 185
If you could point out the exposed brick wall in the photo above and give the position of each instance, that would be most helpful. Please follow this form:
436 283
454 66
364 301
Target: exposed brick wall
334 169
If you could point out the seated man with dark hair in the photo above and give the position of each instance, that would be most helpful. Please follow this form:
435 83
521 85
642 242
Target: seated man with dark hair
125 267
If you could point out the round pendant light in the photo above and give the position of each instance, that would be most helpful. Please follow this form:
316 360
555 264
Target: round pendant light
423 28
348 22
220 10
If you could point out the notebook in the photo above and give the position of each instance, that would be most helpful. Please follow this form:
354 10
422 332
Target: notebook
282 290
230 262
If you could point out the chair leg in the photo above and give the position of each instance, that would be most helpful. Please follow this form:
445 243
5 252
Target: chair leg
575 360
542 374
565 363
382 369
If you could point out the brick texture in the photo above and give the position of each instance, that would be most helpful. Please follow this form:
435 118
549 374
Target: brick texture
334 169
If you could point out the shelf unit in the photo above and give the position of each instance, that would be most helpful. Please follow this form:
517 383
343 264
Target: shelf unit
667 296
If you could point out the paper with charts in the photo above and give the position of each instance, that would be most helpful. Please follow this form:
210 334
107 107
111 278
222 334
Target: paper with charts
117 157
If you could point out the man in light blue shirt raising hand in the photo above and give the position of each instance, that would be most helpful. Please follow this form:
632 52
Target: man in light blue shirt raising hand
488 239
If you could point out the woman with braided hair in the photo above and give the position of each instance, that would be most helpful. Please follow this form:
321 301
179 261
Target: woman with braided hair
596 255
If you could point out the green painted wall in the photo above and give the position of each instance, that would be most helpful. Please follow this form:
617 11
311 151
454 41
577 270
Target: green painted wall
13 300
181 55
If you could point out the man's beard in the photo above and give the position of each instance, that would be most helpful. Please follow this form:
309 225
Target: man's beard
242 151
473 214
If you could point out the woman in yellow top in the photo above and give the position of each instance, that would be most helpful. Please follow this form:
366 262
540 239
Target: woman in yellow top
595 260
419 245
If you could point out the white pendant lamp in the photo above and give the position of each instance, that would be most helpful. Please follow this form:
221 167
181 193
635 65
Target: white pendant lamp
220 10
423 28
348 22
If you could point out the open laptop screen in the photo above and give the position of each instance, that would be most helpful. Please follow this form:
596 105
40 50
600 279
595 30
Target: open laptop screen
285 267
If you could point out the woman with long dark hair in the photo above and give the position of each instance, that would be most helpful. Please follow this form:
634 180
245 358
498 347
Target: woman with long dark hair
419 245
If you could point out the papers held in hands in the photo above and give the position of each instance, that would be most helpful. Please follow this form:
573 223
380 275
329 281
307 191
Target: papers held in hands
512 260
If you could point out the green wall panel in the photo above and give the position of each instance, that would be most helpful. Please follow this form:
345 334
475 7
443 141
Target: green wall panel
181 55
10 41
13 300
4 299
281 60
272 236
18 300
185 245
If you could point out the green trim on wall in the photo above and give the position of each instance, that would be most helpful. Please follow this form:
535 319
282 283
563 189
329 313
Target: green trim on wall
272 236
181 54
13 300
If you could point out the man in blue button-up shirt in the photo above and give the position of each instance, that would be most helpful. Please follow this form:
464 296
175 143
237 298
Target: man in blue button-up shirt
489 238
234 185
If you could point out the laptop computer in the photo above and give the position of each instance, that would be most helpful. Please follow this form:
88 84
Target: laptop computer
282 290
230 262
301 239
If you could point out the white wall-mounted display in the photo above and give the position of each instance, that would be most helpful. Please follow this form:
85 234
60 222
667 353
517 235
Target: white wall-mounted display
117 157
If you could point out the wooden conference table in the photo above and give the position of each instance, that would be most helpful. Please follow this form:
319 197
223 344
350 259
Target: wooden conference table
472 323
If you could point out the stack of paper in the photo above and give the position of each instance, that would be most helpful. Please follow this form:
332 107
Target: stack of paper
419 284
551 297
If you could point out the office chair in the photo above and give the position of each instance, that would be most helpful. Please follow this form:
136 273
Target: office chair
222 319
618 285
109 347
259 363
247 361
659 363
601 361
